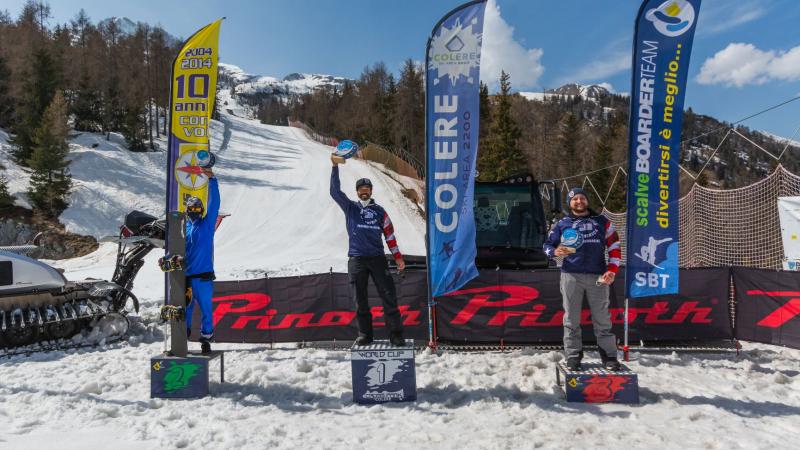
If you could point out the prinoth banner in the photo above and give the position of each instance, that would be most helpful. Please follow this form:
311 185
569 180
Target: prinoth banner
518 307
661 50
767 306
452 68
508 306
309 308
194 83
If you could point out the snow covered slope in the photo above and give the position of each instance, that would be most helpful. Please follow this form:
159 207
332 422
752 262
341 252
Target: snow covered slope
274 182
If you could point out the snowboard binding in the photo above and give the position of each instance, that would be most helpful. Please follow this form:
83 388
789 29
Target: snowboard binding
171 263
172 313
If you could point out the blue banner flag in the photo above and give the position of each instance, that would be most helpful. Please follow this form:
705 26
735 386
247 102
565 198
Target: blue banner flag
661 49
452 68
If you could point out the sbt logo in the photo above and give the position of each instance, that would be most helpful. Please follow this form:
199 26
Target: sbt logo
653 280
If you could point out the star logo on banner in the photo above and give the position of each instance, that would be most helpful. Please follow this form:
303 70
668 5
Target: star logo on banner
188 173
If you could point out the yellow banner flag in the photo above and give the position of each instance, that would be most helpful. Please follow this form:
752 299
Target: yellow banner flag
194 85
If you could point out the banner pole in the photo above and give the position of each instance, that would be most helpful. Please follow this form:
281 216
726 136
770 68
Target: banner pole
431 307
625 348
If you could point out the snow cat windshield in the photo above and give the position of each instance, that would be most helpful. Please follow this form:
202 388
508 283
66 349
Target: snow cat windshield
506 216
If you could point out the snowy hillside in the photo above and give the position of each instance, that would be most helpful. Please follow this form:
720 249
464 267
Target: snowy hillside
275 184
587 92
252 89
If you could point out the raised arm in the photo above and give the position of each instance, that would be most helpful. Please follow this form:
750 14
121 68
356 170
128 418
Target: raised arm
212 211
336 190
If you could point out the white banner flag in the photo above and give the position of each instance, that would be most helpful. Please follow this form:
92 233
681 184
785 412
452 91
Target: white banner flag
789 213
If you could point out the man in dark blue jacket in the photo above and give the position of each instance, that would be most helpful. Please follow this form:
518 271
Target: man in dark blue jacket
583 237
366 222
199 259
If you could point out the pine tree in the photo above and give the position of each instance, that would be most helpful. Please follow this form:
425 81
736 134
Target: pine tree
409 114
50 179
6 108
134 129
87 106
485 107
504 157
6 199
569 139
40 87
603 158
387 114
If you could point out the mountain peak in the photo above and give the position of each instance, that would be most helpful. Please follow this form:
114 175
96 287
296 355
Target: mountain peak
583 90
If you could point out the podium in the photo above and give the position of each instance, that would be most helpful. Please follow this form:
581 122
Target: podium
596 384
183 377
383 373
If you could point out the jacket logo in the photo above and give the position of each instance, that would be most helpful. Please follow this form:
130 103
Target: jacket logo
369 216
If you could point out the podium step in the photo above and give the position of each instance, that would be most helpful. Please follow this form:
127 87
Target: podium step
383 373
596 384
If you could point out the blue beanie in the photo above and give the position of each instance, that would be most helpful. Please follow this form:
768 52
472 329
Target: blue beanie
575 191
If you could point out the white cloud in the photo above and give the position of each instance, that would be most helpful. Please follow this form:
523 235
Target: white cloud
599 69
500 51
607 86
719 16
740 64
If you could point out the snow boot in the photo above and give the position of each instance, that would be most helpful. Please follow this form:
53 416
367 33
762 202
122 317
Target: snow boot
363 340
574 362
612 364
205 346
397 340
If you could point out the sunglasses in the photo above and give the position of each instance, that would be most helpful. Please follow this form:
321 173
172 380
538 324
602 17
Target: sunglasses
194 209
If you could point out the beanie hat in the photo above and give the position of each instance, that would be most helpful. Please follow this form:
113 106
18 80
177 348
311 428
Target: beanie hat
576 191
364 182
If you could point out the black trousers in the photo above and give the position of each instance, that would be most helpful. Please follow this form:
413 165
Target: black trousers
360 268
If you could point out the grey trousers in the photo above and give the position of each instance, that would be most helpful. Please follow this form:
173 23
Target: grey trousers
573 286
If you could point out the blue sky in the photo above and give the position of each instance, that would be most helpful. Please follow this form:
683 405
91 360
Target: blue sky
746 55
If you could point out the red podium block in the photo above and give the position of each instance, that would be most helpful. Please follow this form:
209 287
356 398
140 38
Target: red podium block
596 384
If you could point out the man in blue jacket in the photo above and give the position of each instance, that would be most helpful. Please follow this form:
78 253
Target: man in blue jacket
366 222
199 259
583 238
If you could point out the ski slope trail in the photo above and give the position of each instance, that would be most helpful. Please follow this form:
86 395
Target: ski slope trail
275 183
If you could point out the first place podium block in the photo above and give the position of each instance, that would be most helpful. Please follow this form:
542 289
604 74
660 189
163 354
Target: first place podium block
174 377
596 384
383 373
